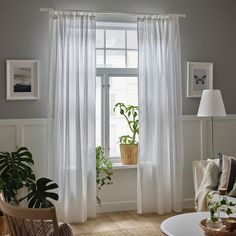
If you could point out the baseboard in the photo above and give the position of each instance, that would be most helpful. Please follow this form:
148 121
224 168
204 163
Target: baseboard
132 205
188 203
117 206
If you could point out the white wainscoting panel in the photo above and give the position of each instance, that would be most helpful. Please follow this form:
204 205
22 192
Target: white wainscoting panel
122 194
8 137
192 151
225 136
37 145
25 132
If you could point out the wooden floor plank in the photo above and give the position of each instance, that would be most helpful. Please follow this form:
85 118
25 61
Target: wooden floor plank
120 220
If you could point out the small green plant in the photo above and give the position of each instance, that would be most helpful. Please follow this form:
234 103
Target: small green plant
223 205
130 113
16 172
104 171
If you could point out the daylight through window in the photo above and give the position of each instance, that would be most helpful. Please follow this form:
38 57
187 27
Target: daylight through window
117 81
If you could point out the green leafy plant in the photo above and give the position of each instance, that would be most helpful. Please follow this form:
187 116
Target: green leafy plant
38 194
103 170
130 113
223 205
16 172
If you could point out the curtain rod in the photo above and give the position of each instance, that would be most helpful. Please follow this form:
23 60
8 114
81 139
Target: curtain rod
115 13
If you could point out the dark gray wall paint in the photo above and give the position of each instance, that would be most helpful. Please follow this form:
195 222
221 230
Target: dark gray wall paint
208 33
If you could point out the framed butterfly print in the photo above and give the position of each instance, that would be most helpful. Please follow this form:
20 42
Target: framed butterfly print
199 77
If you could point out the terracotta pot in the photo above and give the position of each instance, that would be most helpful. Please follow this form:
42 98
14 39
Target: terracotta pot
129 154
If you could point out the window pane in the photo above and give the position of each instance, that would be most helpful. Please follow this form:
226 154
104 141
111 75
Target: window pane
98 110
115 39
115 58
132 59
132 42
99 58
122 89
99 38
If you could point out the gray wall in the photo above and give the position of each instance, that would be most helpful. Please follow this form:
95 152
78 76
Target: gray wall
207 34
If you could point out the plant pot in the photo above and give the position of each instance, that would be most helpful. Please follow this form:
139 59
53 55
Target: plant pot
129 154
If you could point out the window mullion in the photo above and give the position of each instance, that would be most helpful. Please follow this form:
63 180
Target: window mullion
126 57
103 105
106 112
105 51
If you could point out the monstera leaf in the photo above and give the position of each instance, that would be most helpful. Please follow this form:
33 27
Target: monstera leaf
39 193
19 163
15 171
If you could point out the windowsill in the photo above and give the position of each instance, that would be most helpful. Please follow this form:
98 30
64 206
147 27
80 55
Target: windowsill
119 165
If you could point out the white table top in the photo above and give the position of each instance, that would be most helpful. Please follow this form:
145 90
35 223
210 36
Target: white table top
184 224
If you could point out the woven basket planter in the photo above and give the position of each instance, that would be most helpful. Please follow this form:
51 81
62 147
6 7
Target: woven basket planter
129 154
216 232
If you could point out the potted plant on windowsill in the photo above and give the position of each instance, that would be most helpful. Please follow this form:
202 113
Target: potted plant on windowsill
128 143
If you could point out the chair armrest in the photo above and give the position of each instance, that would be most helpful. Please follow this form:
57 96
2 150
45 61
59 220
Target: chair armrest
199 168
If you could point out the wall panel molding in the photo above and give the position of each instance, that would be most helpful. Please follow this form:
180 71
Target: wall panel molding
122 194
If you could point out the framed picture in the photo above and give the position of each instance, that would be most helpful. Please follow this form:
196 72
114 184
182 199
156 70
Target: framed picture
199 77
22 79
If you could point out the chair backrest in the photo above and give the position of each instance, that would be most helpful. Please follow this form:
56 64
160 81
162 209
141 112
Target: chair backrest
199 168
29 221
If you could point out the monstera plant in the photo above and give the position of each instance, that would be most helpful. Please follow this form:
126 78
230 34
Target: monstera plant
16 172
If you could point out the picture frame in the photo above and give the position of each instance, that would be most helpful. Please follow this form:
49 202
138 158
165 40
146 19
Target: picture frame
199 77
22 79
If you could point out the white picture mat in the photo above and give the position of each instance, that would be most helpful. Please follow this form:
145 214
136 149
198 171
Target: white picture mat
199 77
32 79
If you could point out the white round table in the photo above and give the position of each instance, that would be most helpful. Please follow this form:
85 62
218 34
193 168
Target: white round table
184 224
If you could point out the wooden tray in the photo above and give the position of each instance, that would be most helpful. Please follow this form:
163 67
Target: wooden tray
216 232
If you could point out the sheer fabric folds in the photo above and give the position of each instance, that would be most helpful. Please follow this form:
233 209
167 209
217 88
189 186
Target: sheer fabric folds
160 101
71 114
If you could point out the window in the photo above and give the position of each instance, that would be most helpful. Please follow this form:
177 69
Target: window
116 47
117 61
122 89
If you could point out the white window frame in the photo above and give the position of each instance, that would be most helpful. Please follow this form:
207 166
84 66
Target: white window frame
105 74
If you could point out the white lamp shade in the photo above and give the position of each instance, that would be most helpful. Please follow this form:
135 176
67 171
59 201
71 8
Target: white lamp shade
211 104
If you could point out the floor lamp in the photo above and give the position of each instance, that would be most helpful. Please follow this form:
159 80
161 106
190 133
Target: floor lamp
211 105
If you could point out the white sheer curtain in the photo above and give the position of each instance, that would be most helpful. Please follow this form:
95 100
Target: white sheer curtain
71 114
160 101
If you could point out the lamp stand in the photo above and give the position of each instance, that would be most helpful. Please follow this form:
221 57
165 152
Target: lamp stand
212 137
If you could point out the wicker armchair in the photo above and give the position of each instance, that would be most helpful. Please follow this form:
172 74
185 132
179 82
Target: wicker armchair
32 222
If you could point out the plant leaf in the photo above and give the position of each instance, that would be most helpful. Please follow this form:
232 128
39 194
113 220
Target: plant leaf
38 193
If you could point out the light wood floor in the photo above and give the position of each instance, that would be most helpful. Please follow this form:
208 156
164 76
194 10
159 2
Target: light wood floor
120 220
